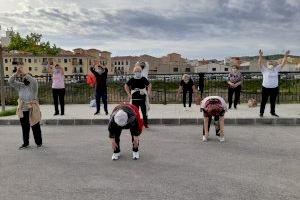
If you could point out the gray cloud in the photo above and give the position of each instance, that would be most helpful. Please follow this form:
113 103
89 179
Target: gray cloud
274 22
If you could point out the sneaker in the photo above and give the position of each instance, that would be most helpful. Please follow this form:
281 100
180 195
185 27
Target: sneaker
274 114
135 155
222 139
204 139
96 113
106 113
56 114
261 114
115 156
24 146
39 145
146 126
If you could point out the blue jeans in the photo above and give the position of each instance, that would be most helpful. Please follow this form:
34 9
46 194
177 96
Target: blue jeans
103 95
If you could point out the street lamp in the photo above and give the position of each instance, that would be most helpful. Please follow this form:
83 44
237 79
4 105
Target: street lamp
2 89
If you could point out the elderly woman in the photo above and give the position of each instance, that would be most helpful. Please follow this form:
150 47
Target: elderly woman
234 85
28 107
270 71
58 88
186 86
138 88
213 106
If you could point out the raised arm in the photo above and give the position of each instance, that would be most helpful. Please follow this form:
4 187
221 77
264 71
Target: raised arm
260 59
284 61
14 83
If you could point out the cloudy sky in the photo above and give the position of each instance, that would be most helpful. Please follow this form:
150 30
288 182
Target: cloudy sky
194 28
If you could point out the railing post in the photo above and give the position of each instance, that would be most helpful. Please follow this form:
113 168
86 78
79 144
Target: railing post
165 91
278 88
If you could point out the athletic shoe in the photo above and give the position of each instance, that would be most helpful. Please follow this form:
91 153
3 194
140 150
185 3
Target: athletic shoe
116 156
135 155
261 115
204 139
146 126
24 146
39 145
185 109
274 114
96 113
222 139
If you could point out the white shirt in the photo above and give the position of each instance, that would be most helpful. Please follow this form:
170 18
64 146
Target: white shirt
270 76
203 102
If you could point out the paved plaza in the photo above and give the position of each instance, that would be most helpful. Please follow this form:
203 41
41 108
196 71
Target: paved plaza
75 163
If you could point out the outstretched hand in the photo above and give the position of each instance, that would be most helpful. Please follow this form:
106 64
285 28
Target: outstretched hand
114 144
260 52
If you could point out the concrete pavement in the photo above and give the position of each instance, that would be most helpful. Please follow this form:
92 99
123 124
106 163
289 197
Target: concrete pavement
174 114
255 162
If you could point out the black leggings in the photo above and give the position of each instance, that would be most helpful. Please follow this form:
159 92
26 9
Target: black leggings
237 92
217 125
36 129
59 95
184 92
265 93
117 139
142 103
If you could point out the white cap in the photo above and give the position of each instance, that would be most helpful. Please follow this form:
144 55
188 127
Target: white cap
121 118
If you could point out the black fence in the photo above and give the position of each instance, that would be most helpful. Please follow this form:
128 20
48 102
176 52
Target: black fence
165 88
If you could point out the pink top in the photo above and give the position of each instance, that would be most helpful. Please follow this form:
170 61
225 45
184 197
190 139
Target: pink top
58 80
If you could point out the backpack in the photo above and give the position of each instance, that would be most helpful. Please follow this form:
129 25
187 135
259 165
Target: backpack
91 79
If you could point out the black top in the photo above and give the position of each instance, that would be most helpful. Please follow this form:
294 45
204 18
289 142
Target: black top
187 86
100 79
141 83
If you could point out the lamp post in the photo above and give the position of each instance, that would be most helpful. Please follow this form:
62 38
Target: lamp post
2 89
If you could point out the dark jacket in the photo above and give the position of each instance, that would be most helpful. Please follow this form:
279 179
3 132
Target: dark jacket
100 79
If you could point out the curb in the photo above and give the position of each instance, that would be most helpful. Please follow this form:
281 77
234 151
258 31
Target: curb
166 121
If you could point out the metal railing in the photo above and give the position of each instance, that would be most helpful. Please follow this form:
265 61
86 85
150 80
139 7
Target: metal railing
165 88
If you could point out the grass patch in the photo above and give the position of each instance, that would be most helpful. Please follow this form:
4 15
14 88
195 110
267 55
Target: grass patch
8 112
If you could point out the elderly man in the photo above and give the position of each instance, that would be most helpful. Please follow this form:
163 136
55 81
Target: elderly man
125 116
213 106
28 106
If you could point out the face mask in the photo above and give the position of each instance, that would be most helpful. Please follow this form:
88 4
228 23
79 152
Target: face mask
186 80
137 75
99 71
26 82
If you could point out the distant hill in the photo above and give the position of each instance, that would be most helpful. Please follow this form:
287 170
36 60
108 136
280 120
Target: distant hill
269 57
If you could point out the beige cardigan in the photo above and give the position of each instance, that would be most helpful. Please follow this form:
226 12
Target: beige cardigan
35 114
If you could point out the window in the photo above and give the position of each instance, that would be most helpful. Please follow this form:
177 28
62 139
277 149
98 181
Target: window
5 60
119 63
226 69
35 60
187 69
66 69
65 60
80 70
80 61
29 60
122 63
175 69
59 60
69 60
126 62
214 69
29 68
6 68
25 59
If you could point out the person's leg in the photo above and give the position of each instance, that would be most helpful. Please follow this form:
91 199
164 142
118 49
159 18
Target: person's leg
62 101
237 93
221 123
209 118
134 131
184 98
98 95
25 127
144 112
104 100
37 134
117 139
55 101
230 94
273 96
264 99
190 98
217 125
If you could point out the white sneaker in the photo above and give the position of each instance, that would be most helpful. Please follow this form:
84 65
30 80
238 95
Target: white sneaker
135 155
204 139
185 109
222 139
115 156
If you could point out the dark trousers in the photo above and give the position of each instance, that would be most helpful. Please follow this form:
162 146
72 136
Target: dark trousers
142 104
217 125
117 139
101 94
184 92
36 129
265 93
236 91
59 95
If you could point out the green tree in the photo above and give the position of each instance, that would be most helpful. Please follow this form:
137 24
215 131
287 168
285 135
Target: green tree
32 43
